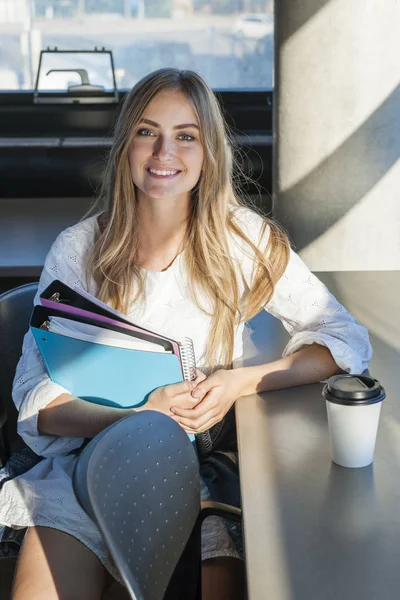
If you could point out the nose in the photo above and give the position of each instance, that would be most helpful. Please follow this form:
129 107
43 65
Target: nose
163 149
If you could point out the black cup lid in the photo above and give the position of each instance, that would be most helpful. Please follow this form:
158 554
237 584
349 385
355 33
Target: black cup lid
353 389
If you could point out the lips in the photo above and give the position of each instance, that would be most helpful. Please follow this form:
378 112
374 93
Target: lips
162 173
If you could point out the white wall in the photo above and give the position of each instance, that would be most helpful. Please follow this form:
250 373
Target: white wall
337 103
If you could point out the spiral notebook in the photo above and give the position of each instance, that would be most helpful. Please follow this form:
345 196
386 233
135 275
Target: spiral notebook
99 355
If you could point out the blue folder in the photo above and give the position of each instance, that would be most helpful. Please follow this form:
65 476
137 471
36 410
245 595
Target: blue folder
107 375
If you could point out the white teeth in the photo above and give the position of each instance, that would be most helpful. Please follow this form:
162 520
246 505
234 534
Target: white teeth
156 172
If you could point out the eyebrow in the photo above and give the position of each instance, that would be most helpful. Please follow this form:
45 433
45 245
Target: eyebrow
182 126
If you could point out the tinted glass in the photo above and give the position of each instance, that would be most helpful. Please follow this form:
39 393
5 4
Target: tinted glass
230 49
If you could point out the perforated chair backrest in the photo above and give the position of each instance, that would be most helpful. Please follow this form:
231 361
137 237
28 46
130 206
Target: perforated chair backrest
15 310
139 481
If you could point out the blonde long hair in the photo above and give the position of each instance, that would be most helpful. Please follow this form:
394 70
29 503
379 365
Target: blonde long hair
211 222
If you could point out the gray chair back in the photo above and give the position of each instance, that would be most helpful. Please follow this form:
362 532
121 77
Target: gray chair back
139 480
15 310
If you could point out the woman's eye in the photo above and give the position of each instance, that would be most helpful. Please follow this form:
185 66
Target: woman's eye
145 132
186 137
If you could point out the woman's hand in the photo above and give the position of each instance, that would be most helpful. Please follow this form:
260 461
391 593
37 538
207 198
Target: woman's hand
176 394
215 396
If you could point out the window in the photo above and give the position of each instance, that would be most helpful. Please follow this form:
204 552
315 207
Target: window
229 42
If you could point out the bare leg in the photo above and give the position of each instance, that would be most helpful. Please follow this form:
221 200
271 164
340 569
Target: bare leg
223 579
53 565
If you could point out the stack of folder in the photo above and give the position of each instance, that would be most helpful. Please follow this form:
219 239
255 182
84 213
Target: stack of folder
98 355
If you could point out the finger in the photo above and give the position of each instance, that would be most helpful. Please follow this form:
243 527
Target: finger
200 376
187 429
200 424
201 389
183 402
201 409
204 427
175 389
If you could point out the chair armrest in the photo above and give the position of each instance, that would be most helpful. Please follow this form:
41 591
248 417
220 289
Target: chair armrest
219 509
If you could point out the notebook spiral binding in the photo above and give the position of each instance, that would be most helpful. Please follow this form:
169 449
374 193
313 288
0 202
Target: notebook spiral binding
204 440
188 359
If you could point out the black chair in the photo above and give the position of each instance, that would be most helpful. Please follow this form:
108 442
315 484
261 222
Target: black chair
139 480
15 310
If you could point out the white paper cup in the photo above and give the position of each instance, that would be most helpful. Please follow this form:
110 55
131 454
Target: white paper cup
353 405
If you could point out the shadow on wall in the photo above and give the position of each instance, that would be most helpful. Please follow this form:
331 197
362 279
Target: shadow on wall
370 142
300 14
371 297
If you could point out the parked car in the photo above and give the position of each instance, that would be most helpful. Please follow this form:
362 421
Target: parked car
253 26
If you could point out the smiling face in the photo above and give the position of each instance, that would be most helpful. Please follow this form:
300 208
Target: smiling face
166 154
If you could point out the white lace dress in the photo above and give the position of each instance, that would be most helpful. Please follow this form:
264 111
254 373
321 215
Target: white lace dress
44 495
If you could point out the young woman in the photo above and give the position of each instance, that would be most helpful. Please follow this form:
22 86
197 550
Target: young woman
171 246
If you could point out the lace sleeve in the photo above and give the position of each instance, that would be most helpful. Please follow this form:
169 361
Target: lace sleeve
32 388
311 314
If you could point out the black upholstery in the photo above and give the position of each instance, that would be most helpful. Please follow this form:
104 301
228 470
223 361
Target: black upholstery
15 310
139 480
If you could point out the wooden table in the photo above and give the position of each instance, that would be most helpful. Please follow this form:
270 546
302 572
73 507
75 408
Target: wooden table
314 530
